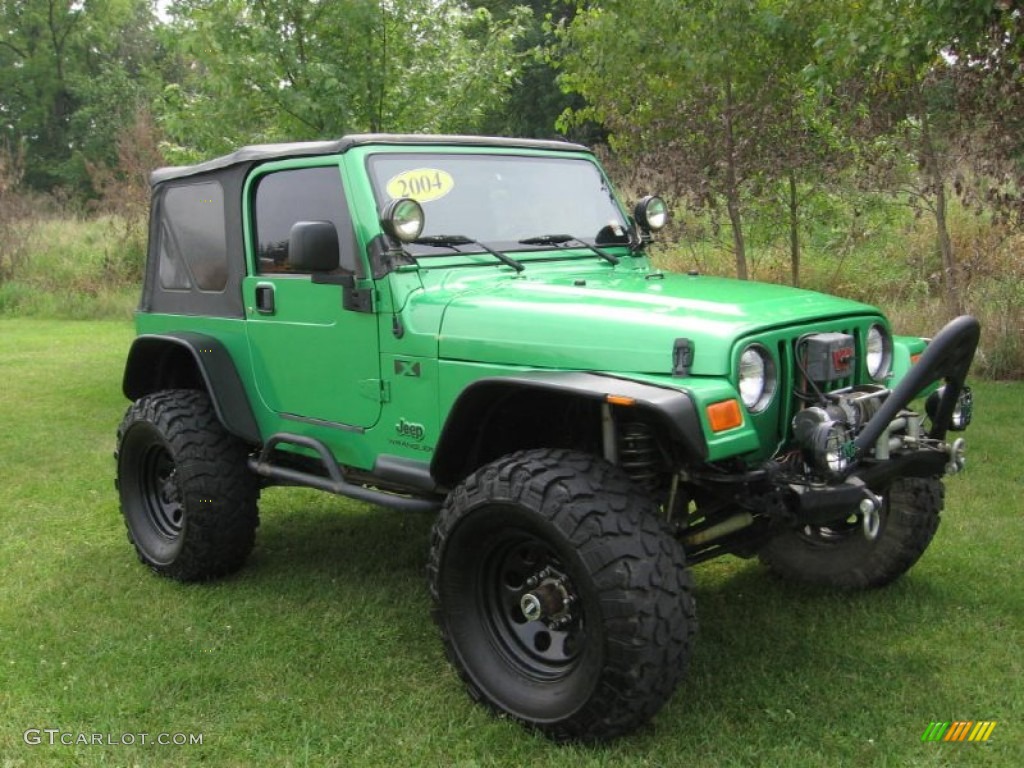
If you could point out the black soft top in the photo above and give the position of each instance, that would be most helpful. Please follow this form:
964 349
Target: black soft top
260 152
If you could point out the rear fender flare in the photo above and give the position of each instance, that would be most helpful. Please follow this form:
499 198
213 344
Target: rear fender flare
187 360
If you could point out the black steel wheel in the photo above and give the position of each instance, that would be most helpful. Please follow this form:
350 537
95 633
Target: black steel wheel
841 555
518 567
159 495
562 600
187 497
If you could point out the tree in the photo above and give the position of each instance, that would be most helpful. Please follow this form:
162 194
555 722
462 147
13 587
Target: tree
938 81
70 72
293 69
708 91
535 101
990 57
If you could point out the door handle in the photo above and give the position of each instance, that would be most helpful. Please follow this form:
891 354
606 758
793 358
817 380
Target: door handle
265 298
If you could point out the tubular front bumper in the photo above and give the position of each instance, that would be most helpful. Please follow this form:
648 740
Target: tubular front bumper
873 468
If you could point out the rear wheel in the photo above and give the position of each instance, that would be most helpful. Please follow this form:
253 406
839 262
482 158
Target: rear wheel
841 556
561 599
187 496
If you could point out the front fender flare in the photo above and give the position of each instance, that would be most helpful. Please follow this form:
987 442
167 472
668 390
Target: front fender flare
671 408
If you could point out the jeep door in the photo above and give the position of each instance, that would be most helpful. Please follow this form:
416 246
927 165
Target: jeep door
313 360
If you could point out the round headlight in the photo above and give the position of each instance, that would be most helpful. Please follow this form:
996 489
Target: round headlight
403 219
879 352
757 380
651 213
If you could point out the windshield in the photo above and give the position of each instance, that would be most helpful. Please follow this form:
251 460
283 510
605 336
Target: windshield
501 199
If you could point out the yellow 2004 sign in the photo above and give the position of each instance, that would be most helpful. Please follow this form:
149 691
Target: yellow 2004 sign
421 184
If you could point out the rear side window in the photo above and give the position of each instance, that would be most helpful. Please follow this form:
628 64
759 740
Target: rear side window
302 194
193 245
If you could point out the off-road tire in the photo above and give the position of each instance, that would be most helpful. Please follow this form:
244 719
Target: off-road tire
632 611
187 497
842 557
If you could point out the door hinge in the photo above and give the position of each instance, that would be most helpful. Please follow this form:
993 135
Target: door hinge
376 390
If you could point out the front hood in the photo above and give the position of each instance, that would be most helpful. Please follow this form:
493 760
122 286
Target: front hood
623 323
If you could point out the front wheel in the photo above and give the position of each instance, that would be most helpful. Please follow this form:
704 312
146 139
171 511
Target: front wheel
841 556
561 599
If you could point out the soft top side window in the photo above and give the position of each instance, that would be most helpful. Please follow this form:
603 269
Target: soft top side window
193 243
282 198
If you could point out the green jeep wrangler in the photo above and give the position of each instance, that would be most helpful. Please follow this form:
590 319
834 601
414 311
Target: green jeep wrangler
472 326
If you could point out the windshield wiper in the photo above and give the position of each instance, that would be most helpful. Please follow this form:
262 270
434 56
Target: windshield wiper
563 239
451 241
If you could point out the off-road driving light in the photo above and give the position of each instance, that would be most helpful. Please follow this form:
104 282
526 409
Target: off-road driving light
962 411
403 219
879 352
826 443
832 447
651 213
757 380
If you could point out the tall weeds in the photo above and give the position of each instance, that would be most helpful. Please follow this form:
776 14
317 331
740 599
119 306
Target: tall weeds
56 260
123 194
13 240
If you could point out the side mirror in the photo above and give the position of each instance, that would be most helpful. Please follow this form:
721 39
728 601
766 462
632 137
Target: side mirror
313 246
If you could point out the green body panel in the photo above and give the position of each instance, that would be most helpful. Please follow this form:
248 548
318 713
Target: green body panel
619 320
382 382
311 358
903 348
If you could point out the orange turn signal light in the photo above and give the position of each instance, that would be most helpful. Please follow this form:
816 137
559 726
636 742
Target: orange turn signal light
724 415
620 400
915 358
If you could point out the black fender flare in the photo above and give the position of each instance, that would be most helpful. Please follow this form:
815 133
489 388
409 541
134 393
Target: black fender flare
190 360
673 409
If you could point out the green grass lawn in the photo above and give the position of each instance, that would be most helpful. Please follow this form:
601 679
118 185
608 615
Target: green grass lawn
321 651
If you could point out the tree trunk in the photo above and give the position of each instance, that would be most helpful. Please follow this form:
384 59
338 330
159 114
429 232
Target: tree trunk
937 184
736 220
732 187
949 265
794 230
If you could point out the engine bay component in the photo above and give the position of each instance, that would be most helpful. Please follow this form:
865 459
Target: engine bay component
827 356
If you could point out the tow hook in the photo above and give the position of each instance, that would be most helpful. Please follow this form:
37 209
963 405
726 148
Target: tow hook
869 517
957 458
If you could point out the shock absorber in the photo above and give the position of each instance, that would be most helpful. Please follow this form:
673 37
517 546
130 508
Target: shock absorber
638 454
